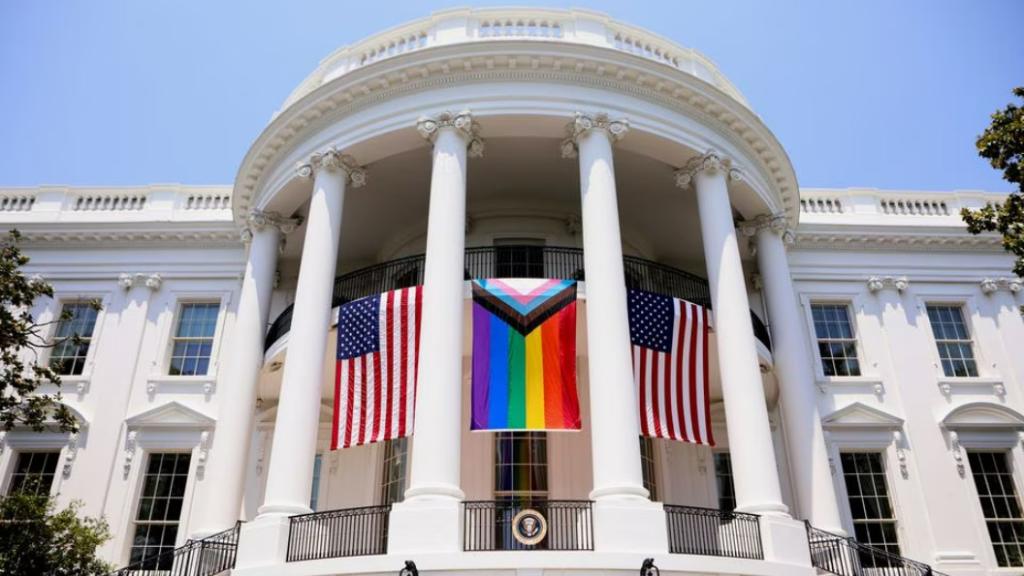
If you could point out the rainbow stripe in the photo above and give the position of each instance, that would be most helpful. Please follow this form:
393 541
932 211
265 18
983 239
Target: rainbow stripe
524 357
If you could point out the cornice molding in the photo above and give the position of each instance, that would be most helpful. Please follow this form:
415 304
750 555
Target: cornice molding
583 124
331 160
462 122
588 66
855 239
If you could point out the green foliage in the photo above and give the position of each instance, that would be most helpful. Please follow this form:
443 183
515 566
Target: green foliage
21 336
38 539
1002 144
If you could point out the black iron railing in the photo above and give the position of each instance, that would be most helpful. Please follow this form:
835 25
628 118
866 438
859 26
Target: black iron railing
206 557
711 532
487 525
847 557
519 261
338 533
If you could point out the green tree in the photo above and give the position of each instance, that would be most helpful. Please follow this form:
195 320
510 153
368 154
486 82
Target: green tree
1002 144
38 539
20 404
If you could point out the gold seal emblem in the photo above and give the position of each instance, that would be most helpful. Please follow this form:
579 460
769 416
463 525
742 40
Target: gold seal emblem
529 527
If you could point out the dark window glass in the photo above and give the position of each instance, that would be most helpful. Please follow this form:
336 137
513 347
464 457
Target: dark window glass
874 521
837 344
68 355
723 480
156 522
953 340
998 498
519 261
33 472
396 466
314 492
521 465
647 466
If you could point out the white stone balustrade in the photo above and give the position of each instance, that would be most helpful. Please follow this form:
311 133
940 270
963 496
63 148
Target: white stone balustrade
155 203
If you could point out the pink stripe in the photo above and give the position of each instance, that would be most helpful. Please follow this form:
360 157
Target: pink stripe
519 296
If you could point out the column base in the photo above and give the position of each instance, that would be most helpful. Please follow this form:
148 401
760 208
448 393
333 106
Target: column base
425 525
784 540
263 542
632 525
775 509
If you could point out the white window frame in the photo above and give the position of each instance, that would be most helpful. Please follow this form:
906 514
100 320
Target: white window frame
49 311
870 378
883 439
145 442
20 440
987 379
168 323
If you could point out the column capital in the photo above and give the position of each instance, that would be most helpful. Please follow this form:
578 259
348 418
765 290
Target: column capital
776 223
711 162
258 220
584 123
330 160
462 122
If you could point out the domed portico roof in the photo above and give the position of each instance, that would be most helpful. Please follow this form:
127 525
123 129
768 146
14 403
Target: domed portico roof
522 71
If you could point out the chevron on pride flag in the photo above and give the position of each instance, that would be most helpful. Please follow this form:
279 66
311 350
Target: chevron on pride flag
524 355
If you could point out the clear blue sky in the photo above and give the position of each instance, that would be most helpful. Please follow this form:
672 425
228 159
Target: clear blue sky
881 93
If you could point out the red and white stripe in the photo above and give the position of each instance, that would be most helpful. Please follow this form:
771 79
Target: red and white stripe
672 387
375 394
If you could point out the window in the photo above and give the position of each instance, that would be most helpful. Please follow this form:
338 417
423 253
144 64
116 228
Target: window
518 258
314 492
874 522
999 504
647 466
33 473
953 340
837 345
193 339
68 356
156 522
723 481
396 465
521 466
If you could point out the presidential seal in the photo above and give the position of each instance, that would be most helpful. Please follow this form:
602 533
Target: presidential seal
529 527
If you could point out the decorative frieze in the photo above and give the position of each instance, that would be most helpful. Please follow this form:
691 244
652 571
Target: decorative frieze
993 285
128 281
463 122
711 162
330 160
584 123
878 283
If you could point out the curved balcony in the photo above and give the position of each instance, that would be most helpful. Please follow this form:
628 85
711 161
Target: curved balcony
517 261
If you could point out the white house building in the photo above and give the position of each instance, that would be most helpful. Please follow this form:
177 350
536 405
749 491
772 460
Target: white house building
865 356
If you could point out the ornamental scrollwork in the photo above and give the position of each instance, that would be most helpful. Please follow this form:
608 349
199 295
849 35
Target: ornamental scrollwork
710 162
584 123
331 160
777 223
462 122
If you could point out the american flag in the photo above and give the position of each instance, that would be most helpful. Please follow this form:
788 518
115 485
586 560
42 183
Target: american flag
375 378
670 367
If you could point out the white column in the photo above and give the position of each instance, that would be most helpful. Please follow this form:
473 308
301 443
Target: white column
794 369
290 474
428 519
755 474
624 517
224 480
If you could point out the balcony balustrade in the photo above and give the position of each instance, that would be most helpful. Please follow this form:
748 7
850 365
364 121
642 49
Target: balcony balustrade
207 557
488 525
845 556
711 532
519 261
338 533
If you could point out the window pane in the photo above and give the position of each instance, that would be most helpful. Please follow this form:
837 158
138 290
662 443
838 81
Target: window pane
723 480
952 340
647 466
997 495
874 522
521 465
67 357
159 510
34 472
192 344
837 344
396 458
